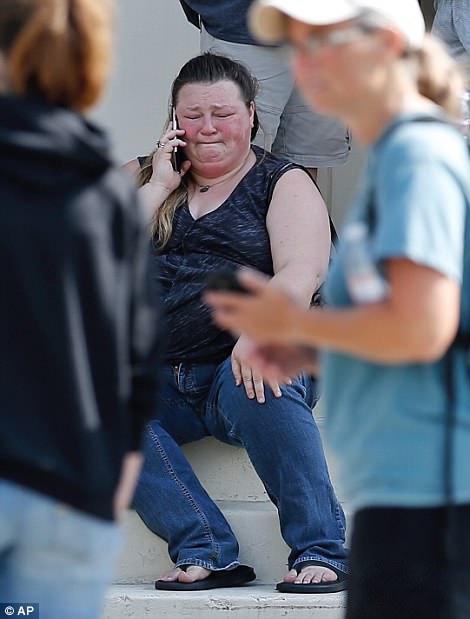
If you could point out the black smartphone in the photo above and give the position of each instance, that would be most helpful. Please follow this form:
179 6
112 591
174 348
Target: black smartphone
177 156
225 280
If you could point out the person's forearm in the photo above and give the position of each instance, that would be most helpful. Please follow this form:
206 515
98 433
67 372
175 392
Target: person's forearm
153 196
297 282
131 466
374 332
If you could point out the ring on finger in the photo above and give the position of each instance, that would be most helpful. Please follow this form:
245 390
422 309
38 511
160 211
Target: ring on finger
160 144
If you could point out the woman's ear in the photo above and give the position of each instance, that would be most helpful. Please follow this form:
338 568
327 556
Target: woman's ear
252 109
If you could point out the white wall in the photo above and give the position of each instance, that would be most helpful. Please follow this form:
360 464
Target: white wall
153 41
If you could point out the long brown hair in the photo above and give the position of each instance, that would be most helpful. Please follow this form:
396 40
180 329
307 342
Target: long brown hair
59 50
206 68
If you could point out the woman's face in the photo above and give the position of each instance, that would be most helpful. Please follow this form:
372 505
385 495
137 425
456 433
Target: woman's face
336 75
218 125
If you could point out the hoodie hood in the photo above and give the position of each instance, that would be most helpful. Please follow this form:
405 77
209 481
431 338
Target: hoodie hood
43 146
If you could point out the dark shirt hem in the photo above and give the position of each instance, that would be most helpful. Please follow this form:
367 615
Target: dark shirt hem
56 487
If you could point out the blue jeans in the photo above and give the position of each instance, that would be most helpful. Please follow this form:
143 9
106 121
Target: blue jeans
53 555
284 446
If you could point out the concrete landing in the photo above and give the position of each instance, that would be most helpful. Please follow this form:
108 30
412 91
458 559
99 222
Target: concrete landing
255 601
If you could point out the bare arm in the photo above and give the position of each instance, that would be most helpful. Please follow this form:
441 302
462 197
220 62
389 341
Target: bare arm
132 168
164 179
299 232
131 465
416 323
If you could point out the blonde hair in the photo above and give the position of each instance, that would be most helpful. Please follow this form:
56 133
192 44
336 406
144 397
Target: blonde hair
439 77
161 226
57 49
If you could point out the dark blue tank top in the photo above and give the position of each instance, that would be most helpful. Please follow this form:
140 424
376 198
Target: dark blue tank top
233 235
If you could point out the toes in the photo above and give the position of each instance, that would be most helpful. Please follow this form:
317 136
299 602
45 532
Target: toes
291 576
193 573
315 574
172 575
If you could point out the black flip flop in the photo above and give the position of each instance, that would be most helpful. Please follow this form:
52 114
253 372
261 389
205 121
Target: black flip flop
315 587
237 577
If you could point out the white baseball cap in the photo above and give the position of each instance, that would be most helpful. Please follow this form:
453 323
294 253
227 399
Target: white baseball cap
267 18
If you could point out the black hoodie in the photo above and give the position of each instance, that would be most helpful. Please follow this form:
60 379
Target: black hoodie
78 337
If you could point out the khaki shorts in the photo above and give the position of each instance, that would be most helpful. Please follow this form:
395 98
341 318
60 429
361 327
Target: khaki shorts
289 127
452 25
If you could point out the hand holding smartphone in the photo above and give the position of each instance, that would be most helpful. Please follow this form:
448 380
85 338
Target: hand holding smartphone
225 280
176 156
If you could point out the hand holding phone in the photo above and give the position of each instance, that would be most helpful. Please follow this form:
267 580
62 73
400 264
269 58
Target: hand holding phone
176 156
225 280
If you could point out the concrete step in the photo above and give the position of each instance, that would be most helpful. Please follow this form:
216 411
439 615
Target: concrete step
254 601
144 557
228 476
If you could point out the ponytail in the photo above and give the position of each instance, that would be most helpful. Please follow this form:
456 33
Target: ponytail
439 77
57 49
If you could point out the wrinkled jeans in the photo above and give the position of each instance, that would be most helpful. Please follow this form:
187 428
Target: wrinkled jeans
54 555
284 446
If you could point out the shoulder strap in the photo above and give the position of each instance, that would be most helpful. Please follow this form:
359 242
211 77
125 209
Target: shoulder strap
276 175
371 217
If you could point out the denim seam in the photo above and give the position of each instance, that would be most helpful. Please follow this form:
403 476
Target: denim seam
339 521
238 438
206 528
317 557
215 408
206 564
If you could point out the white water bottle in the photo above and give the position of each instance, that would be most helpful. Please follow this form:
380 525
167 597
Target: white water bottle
465 116
364 281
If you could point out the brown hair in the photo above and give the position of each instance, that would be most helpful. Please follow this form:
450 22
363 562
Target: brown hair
438 76
206 68
59 50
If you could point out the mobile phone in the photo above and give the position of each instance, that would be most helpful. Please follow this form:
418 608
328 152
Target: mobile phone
177 156
225 280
